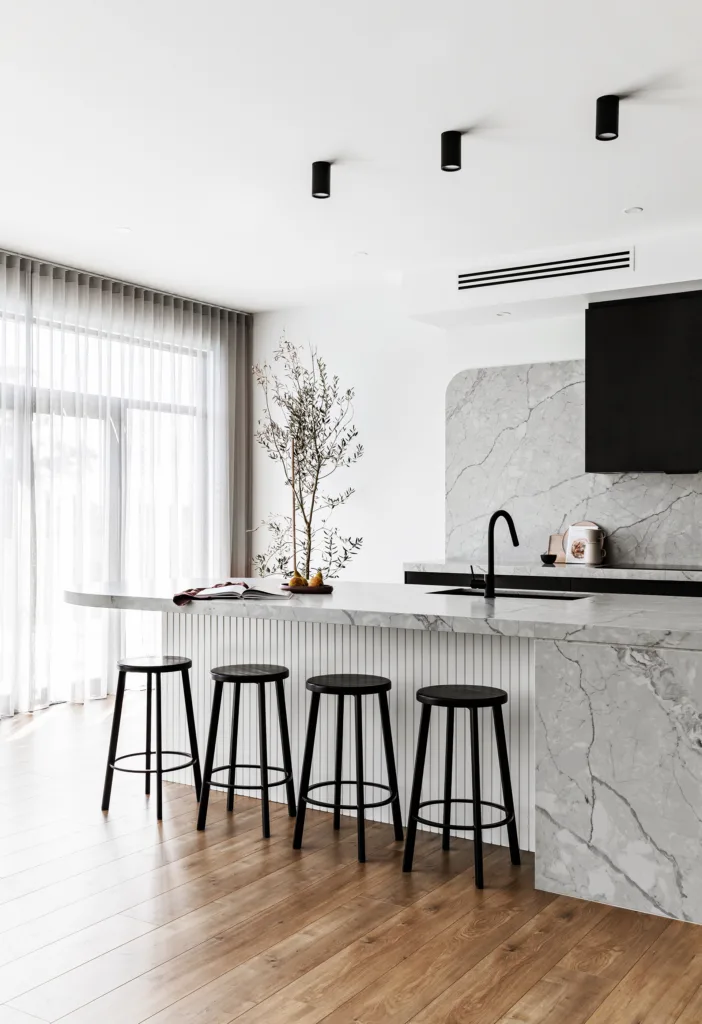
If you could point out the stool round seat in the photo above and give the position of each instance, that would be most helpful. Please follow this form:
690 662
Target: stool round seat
238 676
462 696
153 666
348 684
155 663
342 685
249 673
471 698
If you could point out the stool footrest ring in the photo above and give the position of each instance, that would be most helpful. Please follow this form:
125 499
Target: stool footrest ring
349 807
271 768
152 771
463 828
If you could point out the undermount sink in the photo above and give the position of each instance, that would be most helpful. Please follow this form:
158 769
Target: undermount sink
535 595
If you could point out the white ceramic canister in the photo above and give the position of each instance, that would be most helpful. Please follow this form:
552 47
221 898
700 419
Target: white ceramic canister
594 550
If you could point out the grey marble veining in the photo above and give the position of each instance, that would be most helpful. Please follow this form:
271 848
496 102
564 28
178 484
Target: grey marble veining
619 776
515 440
600 618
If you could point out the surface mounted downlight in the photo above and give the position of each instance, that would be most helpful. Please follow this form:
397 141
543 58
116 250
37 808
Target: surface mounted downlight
321 179
607 119
450 151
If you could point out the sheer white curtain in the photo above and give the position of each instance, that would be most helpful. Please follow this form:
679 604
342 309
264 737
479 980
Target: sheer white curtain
123 454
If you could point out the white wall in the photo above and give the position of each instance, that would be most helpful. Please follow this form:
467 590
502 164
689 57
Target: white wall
400 369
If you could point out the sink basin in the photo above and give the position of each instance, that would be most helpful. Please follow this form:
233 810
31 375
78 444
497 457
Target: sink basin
534 595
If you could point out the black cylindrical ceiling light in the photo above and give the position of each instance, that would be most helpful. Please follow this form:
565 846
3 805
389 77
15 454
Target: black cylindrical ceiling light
321 179
450 151
607 120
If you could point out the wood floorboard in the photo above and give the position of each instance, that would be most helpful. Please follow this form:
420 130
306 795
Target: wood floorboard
293 903
47 843
589 971
119 919
661 984
241 884
81 853
206 930
692 1014
513 966
436 965
10 1016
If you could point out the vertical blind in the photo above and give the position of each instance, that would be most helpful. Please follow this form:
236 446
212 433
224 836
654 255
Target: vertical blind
124 454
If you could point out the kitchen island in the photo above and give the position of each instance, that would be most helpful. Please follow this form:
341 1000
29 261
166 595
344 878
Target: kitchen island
604 718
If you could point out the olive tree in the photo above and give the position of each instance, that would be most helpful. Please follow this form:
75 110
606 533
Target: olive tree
308 423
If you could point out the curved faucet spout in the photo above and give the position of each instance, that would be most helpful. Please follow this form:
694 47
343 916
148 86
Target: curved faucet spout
490 575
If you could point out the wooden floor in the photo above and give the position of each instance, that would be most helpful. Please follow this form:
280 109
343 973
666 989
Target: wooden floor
121 920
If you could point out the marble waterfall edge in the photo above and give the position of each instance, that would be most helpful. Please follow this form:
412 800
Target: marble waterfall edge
515 439
619 776
604 712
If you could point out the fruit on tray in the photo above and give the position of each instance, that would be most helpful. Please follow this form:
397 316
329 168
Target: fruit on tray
296 580
317 580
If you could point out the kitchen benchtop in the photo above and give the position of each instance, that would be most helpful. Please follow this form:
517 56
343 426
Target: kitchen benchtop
643 573
598 618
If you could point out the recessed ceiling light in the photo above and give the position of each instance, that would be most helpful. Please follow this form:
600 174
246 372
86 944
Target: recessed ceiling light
360 252
634 209
504 313
123 230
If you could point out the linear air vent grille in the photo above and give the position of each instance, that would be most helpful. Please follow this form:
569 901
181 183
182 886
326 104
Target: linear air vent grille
622 260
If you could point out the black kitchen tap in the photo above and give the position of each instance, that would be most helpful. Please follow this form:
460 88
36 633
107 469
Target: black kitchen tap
490 575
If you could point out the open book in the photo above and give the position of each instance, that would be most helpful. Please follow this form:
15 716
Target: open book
230 590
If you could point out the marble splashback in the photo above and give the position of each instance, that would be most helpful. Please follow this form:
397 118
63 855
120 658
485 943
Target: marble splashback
515 439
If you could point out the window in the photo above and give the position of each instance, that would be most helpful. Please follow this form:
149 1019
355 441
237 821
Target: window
113 449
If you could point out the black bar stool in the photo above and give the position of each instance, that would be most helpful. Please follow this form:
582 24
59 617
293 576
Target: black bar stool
153 666
472 698
349 685
238 674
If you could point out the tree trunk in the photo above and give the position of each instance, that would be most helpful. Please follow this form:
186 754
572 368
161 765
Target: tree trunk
308 553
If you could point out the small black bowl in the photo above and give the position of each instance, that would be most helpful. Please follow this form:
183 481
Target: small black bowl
549 559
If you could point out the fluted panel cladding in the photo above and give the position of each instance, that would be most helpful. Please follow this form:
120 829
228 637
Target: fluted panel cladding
410 658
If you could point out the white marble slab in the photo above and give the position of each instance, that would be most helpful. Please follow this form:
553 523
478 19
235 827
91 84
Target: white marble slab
600 618
619 776
515 440
691 574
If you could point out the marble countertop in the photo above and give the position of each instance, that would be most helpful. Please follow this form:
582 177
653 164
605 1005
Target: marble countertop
667 573
599 618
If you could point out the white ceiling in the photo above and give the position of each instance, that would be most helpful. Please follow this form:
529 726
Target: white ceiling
195 125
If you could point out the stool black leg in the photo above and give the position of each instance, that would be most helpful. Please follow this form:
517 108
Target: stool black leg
306 771
477 809
233 745
114 735
339 759
192 732
448 773
285 744
360 790
390 761
506 780
419 760
159 751
263 742
147 783
209 755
